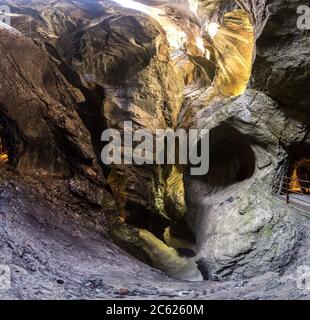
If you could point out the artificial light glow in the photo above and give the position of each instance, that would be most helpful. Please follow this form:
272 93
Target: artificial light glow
294 184
3 154
211 28
299 176
3 158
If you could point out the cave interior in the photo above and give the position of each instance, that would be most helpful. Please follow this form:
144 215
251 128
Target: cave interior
192 64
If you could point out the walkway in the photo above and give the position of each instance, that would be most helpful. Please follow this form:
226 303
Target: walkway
293 191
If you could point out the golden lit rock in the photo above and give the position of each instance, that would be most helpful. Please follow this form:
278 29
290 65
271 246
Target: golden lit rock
233 47
167 259
300 178
3 152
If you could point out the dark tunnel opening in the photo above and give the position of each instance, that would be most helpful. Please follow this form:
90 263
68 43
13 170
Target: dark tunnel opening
232 159
11 139
298 173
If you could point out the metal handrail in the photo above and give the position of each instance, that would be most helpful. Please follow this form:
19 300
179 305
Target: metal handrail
288 186
281 187
295 179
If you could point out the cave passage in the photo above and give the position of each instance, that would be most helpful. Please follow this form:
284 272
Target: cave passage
294 184
229 48
299 171
150 201
300 177
74 226
232 159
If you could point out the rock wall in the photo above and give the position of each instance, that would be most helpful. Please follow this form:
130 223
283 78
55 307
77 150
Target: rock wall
241 229
281 67
46 139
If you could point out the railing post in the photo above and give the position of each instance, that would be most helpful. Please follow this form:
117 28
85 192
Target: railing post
287 194
281 184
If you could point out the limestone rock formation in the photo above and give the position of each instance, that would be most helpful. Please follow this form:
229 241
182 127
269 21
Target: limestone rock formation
241 229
